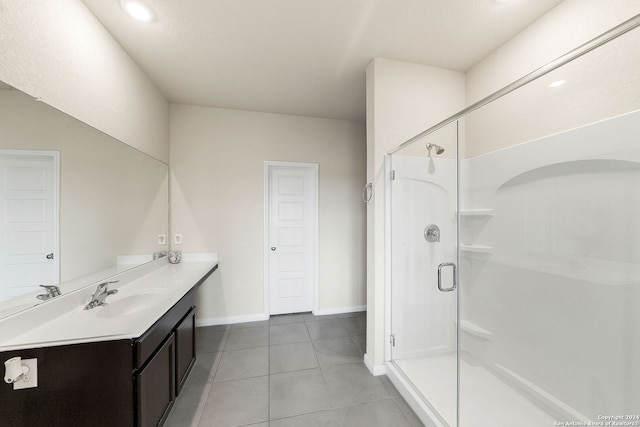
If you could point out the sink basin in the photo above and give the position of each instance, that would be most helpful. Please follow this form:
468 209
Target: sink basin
127 305
132 304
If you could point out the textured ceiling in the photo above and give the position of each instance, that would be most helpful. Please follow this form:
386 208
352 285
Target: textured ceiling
305 57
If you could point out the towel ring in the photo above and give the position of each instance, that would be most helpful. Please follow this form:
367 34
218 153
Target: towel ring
367 192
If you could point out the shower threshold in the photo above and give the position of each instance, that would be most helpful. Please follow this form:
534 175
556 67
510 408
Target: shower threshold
485 400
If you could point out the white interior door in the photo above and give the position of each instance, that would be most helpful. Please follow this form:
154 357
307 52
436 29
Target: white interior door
28 221
291 236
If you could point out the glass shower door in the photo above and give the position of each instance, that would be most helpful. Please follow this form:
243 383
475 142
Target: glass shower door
424 236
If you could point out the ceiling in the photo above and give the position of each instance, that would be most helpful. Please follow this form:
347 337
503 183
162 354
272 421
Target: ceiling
304 57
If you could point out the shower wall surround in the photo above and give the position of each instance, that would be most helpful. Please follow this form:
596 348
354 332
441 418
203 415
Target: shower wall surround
552 271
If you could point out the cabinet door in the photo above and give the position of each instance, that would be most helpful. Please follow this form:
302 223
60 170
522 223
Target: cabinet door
156 386
185 348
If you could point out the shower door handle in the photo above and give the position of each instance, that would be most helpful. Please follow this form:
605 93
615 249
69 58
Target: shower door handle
453 272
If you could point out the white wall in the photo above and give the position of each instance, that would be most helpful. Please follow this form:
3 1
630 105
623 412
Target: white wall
59 52
596 86
567 26
403 99
217 161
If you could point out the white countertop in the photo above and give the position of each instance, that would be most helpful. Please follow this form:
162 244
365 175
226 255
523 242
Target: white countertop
28 300
144 295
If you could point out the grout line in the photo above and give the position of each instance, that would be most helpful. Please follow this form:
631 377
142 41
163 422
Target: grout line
200 409
313 347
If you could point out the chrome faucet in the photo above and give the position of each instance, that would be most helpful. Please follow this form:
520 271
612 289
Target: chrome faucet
52 292
101 293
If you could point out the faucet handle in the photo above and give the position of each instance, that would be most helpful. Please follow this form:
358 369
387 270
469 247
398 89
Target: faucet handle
110 282
52 290
101 293
102 288
104 285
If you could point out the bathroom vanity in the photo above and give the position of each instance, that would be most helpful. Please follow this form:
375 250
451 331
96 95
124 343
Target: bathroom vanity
120 364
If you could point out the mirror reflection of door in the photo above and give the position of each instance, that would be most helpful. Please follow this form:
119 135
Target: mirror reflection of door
28 221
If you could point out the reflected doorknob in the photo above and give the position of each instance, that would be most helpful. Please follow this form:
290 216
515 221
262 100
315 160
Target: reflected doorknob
273 248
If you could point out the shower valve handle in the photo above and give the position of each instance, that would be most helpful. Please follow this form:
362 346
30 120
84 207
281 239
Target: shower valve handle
432 233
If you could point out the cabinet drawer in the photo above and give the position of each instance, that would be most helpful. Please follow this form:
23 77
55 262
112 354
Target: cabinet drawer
147 344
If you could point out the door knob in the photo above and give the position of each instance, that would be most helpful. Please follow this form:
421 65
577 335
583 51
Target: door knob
273 248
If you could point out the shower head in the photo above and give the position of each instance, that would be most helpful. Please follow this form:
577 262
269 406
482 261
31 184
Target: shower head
439 149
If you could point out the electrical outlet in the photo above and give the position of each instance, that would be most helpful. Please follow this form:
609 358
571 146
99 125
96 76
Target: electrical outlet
162 239
177 239
32 375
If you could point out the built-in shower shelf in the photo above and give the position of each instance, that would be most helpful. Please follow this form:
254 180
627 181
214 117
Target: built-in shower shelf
476 212
476 249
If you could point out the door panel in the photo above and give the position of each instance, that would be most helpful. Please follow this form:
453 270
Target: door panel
292 213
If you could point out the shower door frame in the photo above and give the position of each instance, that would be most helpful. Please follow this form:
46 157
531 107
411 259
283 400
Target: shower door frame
428 414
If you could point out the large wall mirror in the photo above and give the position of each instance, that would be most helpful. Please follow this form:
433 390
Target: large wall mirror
76 205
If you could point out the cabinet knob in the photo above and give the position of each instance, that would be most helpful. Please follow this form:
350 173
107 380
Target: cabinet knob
273 248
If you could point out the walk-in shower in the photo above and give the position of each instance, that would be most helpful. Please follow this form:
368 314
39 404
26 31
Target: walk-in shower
522 309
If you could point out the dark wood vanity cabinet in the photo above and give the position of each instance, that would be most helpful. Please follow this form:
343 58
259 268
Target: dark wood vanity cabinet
123 382
164 356
88 384
109 383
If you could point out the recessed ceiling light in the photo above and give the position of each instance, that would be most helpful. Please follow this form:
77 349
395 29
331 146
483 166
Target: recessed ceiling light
557 83
138 10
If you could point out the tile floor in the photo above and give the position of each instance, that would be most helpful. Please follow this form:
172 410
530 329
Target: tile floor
292 370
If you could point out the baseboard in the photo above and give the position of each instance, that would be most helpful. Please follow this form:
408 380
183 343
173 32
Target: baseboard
353 309
375 370
212 321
